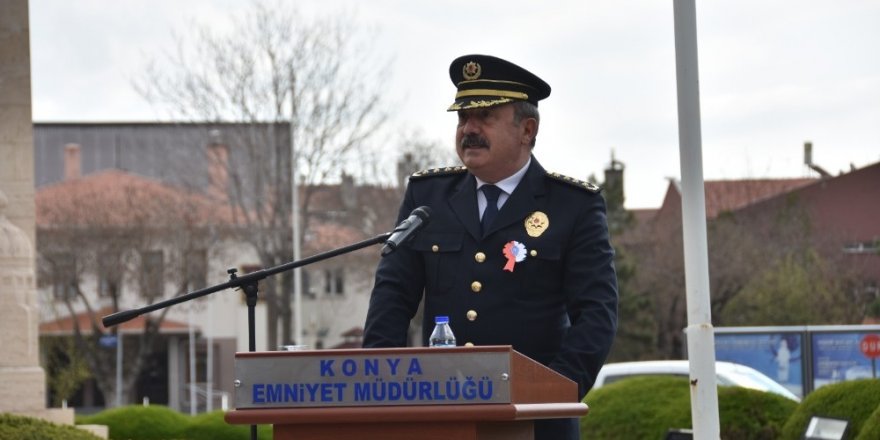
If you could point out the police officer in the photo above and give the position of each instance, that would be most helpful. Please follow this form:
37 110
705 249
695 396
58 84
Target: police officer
513 254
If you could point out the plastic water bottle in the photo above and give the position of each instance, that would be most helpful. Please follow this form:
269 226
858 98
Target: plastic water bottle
442 335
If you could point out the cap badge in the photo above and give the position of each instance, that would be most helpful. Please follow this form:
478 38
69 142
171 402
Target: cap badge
537 223
471 71
515 252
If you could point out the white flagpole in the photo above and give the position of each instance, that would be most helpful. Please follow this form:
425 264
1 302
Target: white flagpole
294 177
700 333
119 350
209 373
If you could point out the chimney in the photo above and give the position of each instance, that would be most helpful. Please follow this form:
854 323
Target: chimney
72 162
218 170
808 161
349 192
613 184
808 153
406 165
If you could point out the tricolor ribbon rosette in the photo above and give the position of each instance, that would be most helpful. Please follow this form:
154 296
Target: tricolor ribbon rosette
515 252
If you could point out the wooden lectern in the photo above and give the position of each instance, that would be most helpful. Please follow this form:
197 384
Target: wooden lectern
459 393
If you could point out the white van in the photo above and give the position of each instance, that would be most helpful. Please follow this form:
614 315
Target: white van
727 373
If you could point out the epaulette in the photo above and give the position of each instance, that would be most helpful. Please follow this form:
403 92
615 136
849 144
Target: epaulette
442 171
582 184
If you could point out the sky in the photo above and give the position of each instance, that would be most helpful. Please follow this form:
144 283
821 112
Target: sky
773 75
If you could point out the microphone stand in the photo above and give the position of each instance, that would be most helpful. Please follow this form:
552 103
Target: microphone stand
249 283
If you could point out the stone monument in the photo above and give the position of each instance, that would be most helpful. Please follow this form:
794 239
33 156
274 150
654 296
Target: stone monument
24 383
22 380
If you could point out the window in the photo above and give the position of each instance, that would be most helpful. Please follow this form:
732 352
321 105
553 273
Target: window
152 275
64 276
867 247
334 281
196 269
307 289
109 275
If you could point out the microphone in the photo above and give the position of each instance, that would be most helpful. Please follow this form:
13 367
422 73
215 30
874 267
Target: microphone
407 229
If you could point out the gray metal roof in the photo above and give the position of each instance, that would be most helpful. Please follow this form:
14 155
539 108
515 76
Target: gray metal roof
171 152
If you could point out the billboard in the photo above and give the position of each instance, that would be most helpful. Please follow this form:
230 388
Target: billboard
838 356
803 358
777 354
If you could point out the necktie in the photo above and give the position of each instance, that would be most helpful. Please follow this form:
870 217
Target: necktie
491 192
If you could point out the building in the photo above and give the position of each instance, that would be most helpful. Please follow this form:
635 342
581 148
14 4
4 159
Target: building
132 214
752 224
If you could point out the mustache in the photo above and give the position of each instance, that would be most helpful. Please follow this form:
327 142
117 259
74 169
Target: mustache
474 140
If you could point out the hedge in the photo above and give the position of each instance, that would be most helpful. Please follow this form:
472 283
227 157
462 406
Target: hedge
855 400
28 428
158 422
211 426
647 407
871 428
137 422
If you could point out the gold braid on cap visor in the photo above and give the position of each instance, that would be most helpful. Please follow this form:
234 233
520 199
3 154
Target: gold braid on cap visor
491 92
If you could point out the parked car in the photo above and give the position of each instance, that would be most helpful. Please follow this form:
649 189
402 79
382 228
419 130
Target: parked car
727 373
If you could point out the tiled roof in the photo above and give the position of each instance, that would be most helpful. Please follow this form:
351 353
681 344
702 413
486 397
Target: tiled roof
326 236
117 198
721 196
642 215
730 195
353 338
354 332
64 326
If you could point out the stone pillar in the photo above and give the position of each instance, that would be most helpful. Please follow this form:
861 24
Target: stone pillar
16 124
23 382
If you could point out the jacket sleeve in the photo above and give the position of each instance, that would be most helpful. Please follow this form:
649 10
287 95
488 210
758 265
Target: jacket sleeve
590 289
397 292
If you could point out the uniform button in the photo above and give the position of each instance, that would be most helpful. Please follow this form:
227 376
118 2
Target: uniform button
476 286
435 248
480 257
472 315
468 344
533 253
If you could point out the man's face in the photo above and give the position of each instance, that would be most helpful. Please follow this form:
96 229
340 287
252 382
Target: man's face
491 144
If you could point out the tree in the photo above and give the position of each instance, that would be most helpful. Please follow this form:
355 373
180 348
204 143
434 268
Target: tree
419 153
66 368
797 290
292 84
636 335
112 241
787 274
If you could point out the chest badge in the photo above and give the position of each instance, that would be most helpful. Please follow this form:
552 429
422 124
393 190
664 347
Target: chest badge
537 223
515 252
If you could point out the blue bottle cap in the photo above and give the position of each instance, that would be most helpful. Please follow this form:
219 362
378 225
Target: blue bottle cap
441 319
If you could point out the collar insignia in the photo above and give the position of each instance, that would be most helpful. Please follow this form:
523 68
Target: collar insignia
442 171
575 182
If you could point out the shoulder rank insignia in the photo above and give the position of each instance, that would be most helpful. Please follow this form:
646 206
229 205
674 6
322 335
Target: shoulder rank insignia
443 171
582 184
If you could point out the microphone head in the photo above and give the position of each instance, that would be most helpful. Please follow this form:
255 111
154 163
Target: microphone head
422 212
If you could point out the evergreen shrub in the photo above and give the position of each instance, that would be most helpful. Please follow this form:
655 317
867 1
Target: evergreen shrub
211 426
647 407
137 422
28 428
871 428
854 400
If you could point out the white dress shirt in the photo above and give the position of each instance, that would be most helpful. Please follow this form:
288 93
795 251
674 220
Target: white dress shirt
506 185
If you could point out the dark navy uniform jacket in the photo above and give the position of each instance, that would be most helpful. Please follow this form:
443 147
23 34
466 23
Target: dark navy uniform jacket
558 306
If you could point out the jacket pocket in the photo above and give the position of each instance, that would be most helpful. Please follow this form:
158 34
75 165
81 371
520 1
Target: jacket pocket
441 252
542 271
